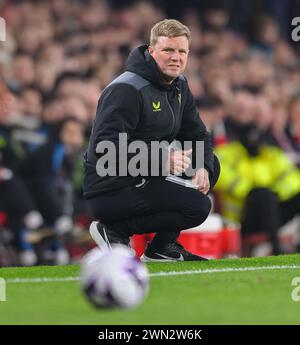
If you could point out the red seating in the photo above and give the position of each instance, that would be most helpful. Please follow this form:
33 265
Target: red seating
3 218
210 240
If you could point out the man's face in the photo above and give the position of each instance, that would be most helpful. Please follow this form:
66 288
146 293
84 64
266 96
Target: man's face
72 135
170 54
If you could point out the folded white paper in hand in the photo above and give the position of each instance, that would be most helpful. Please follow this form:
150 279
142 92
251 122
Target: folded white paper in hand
182 181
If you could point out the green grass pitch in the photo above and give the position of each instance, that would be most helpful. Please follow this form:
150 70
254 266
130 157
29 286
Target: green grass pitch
235 296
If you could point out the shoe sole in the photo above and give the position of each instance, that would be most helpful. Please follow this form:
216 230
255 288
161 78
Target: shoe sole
145 258
100 241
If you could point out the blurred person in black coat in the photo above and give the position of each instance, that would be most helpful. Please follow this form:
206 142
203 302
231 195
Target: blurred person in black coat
49 173
15 199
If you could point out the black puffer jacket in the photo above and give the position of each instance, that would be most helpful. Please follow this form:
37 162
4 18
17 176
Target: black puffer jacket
140 104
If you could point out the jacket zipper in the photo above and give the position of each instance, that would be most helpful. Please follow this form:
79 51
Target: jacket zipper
173 115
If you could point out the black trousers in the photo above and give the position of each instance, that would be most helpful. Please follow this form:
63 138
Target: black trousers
264 213
158 206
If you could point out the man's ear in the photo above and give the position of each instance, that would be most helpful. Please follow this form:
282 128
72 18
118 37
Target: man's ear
150 50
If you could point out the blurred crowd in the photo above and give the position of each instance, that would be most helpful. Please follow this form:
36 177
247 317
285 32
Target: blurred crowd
60 54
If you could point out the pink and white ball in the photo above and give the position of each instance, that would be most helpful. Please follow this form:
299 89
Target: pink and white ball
114 278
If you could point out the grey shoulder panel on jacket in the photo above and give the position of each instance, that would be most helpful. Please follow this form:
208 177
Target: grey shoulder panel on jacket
132 79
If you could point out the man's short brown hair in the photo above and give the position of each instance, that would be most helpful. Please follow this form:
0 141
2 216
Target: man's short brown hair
169 28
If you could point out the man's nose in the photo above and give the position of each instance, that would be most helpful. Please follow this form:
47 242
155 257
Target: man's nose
175 56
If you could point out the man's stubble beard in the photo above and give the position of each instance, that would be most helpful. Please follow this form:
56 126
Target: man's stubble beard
167 78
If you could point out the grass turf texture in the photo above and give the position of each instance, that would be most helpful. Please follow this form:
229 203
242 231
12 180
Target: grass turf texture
239 297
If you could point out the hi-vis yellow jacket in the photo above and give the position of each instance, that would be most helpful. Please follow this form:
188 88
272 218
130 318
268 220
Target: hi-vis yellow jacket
240 173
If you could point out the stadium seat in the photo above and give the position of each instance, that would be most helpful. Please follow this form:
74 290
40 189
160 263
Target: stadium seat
211 239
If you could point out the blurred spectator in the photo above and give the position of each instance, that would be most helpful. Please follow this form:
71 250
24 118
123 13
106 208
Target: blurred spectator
52 162
15 199
49 175
45 78
22 72
266 33
294 127
31 100
258 187
240 113
213 114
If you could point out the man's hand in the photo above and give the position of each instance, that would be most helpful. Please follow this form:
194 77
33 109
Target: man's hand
178 161
202 179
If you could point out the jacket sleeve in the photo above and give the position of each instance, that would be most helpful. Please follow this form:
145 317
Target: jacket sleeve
193 129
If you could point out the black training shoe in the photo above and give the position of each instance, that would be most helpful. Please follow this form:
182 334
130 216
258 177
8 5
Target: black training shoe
105 237
169 252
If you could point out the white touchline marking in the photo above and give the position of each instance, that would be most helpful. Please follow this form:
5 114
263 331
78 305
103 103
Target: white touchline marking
222 270
41 280
158 274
